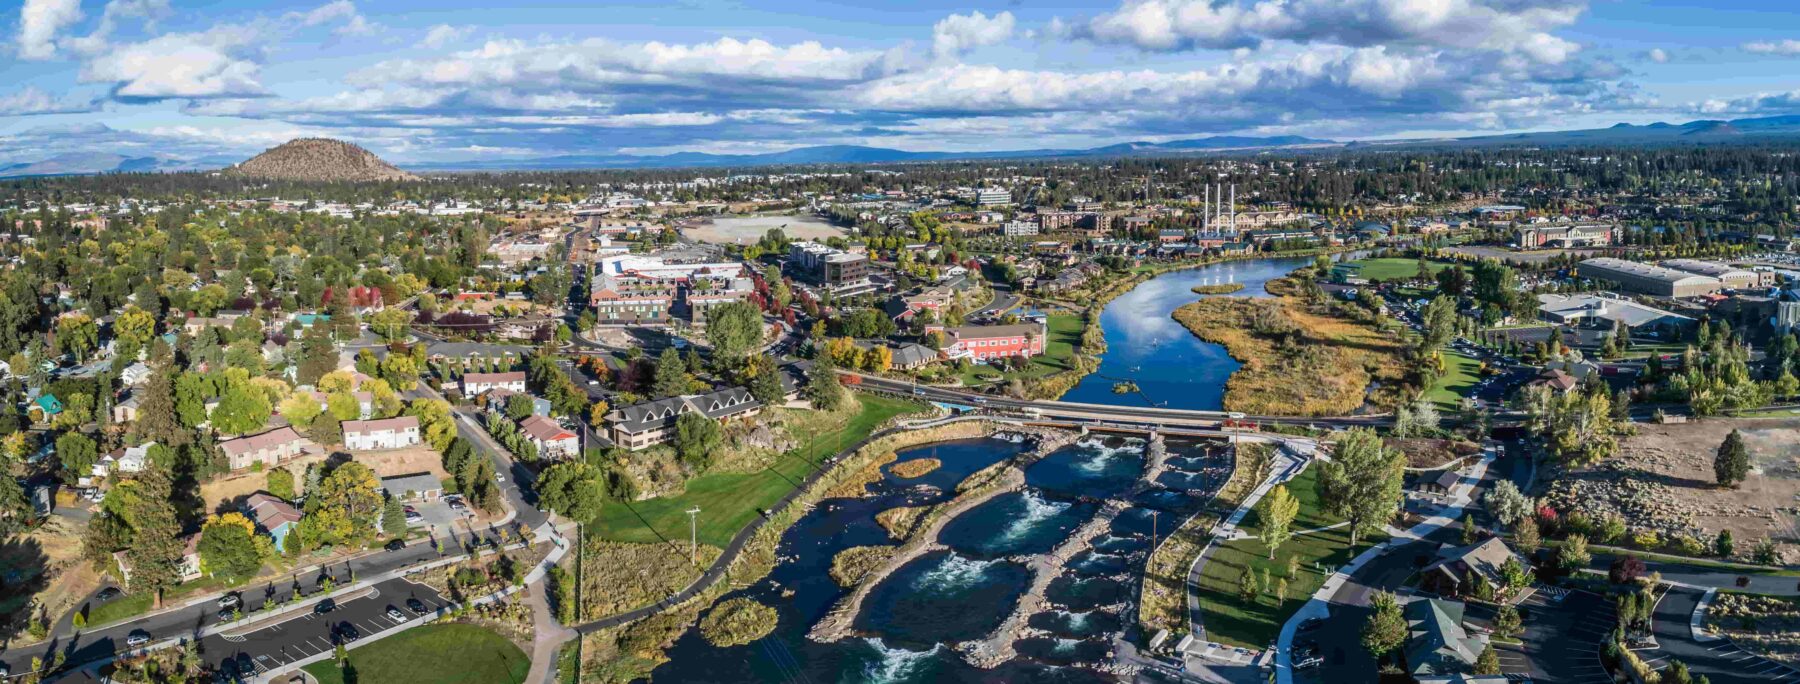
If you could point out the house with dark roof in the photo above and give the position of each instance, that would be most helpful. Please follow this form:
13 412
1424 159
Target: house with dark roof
1456 565
1558 381
1437 642
641 426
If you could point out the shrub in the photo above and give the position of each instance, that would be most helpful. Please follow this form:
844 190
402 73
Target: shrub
737 622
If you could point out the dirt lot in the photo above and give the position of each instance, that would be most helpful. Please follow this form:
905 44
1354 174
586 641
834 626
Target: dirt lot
419 459
1663 480
71 579
749 229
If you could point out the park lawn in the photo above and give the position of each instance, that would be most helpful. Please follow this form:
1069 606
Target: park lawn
1231 621
135 604
1391 269
443 654
1461 372
1059 349
729 501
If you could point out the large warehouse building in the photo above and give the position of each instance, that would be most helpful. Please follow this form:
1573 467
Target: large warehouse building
1648 279
1732 276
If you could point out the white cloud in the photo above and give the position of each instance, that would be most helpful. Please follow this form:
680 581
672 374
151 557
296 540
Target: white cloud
39 23
1505 25
1760 103
117 10
32 101
444 34
1658 55
1785 48
218 62
959 33
596 62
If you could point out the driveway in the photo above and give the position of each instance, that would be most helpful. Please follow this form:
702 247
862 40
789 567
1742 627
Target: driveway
1719 660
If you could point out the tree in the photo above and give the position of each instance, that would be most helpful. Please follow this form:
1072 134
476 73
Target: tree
1507 504
436 426
280 482
671 374
1525 536
77 334
573 489
132 332
822 386
1362 482
242 409
518 407
765 383
1488 663
1506 620
390 324
157 419
77 453
696 436
393 518
1468 529
300 409
342 510
735 329
1723 545
230 548
1278 511
1574 553
1385 629
318 355
1732 464
156 545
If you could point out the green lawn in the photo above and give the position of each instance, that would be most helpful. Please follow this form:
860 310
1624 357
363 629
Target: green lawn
1461 372
135 604
1059 348
1229 620
727 502
443 654
1390 269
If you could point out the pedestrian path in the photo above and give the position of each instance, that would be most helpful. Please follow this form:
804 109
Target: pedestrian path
1285 466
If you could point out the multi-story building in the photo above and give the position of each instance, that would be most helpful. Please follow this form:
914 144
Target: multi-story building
836 270
641 426
552 440
269 448
625 300
387 433
1563 235
988 342
477 384
992 197
1019 228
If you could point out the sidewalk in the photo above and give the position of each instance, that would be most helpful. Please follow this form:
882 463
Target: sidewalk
1284 468
1316 606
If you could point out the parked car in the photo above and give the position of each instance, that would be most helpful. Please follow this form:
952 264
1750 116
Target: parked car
325 606
347 632
108 594
395 544
415 606
137 638
395 614
229 601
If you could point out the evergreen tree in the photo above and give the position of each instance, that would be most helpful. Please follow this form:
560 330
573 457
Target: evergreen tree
671 374
1385 629
156 544
1732 464
1488 663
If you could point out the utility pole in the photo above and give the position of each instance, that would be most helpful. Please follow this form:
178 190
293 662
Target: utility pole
1152 530
693 535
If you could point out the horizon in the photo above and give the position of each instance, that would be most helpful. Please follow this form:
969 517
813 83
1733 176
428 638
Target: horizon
465 82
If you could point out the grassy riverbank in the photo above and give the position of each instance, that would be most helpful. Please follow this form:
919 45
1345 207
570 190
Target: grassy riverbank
1162 602
1299 359
1218 289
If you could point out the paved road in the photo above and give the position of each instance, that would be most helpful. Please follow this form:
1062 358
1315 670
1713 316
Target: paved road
1719 660
313 632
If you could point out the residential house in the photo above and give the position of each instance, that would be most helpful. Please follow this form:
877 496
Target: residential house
272 515
47 406
135 374
187 571
126 410
640 426
552 440
476 384
1450 574
269 448
387 433
1558 381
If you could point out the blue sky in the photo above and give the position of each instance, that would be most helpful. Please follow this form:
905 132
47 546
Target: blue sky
439 81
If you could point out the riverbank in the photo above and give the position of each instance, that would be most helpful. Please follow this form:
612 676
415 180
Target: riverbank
1163 595
1298 358
1217 289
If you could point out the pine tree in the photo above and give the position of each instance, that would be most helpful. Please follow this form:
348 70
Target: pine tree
156 548
1385 629
1488 663
1733 462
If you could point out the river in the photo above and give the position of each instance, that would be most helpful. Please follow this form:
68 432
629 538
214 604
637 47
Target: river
1171 366
913 617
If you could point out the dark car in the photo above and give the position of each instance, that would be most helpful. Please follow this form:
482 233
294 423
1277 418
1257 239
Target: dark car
347 632
396 544
108 594
415 606
226 614
325 606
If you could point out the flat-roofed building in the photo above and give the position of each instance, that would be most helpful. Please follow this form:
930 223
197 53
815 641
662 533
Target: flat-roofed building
1603 310
1647 278
1563 235
1733 277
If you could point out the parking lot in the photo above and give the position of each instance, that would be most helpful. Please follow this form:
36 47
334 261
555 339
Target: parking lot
1561 642
439 515
316 631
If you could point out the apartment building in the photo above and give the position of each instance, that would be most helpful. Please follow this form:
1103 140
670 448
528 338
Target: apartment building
387 433
989 342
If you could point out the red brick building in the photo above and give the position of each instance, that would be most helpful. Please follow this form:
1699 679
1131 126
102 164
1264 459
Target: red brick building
988 342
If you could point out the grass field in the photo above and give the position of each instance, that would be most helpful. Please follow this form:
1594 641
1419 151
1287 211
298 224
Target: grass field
1461 372
1228 619
443 654
1390 269
135 604
728 501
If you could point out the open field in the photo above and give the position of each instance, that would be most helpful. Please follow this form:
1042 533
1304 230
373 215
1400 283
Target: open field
1662 480
1766 625
1388 270
728 501
1254 624
446 654
1297 359
747 229
619 577
388 463
1461 372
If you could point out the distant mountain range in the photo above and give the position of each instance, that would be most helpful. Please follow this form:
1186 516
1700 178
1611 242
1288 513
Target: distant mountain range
357 166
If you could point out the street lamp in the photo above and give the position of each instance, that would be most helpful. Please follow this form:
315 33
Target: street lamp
693 535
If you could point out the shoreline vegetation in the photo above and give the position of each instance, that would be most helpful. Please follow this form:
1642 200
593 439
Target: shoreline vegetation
630 652
1218 288
1162 599
1299 358
918 467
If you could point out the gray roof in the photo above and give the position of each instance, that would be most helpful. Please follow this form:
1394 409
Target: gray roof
1438 642
662 413
416 482
913 354
1631 313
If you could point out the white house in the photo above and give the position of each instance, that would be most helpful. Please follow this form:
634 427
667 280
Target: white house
476 384
135 374
388 433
